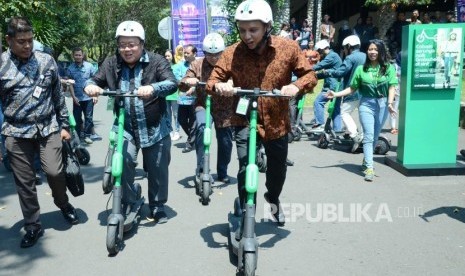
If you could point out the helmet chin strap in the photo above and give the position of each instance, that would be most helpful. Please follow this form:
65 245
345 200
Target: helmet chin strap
262 42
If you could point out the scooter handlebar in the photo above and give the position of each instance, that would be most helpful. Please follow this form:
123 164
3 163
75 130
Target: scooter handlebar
259 93
119 93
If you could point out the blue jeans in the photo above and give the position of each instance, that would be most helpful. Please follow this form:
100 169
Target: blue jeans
373 113
172 108
86 108
448 62
224 138
319 111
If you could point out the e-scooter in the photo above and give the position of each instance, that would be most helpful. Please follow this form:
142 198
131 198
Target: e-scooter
82 153
119 222
342 139
242 221
300 127
203 185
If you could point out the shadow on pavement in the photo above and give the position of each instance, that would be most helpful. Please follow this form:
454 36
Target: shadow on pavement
454 212
262 228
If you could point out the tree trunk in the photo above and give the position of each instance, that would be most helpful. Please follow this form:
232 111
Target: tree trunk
281 14
314 16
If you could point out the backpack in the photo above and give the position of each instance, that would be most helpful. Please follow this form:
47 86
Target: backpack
72 170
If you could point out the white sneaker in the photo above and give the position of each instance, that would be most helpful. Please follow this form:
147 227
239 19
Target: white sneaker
175 136
357 140
87 140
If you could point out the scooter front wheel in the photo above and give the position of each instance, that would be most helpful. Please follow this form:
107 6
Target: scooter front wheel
112 239
250 263
206 191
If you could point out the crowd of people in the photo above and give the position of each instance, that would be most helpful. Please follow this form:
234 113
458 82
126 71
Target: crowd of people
169 97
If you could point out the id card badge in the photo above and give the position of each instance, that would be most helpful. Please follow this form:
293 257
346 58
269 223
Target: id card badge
242 106
37 92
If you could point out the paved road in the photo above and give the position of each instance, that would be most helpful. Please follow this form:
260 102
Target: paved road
341 225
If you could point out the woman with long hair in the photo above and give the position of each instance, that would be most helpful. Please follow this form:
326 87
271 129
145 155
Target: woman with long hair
376 81
172 103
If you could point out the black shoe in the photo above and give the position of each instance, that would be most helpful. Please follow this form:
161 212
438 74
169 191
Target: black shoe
69 213
289 162
462 152
38 179
278 216
225 179
187 148
160 217
31 237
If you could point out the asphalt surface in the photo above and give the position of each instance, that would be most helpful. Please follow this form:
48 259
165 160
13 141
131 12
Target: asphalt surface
338 224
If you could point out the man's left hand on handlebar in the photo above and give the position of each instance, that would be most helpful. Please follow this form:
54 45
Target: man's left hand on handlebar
289 90
145 91
224 89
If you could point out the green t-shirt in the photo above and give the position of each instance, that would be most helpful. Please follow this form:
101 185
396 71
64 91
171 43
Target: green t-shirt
370 84
174 96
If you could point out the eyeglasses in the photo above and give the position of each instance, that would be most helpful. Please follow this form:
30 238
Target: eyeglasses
123 46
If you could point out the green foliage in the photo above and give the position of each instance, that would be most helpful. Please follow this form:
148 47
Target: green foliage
105 15
394 3
59 24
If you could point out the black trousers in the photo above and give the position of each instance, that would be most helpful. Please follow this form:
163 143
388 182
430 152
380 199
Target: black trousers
276 152
186 118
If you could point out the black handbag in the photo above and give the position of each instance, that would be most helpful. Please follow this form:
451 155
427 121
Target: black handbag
72 170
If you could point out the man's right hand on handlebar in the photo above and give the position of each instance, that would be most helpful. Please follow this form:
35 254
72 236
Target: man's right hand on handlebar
225 89
93 90
191 81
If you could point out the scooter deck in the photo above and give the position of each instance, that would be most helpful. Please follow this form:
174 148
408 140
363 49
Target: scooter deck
234 222
133 215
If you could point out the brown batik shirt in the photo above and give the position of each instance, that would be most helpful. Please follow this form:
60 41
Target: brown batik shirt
222 107
271 70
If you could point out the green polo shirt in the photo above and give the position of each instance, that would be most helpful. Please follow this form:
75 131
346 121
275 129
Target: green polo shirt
370 84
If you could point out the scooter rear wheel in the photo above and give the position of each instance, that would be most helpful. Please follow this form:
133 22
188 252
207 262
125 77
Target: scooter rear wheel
382 146
112 239
250 261
83 156
323 141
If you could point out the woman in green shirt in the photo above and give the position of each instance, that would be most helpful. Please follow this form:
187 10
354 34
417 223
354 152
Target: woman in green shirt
376 81
172 103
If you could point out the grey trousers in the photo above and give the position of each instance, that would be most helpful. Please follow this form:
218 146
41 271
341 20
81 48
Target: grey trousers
156 159
21 152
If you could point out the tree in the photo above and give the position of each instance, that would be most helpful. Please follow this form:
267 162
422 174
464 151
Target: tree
386 11
59 24
105 15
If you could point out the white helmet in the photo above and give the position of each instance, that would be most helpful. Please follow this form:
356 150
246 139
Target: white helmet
322 44
130 28
351 40
213 43
250 10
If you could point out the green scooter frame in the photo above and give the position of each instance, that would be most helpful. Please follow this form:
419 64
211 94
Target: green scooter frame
82 153
242 221
117 224
203 185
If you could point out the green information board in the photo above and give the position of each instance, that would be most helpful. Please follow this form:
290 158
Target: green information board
432 56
